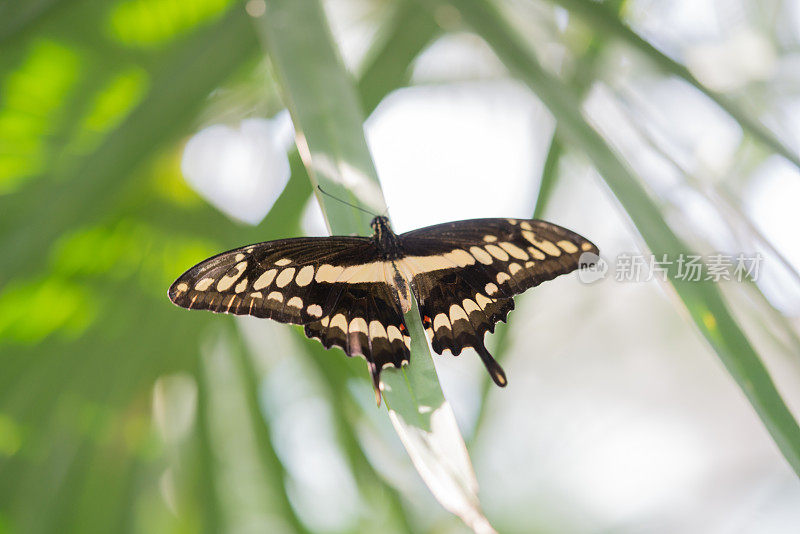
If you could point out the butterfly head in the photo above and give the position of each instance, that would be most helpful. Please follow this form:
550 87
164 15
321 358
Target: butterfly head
384 236
380 224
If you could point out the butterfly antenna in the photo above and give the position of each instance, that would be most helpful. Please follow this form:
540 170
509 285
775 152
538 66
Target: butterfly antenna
344 201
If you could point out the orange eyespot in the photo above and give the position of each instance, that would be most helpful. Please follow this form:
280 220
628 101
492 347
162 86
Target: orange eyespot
426 319
402 327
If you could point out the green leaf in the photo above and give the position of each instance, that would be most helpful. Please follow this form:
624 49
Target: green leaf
702 300
85 191
328 120
388 65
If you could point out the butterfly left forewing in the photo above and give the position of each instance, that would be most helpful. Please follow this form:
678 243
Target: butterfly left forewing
464 274
289 280
337 287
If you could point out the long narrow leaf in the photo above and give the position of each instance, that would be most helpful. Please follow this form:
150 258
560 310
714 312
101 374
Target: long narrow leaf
328 120
602 18
702 300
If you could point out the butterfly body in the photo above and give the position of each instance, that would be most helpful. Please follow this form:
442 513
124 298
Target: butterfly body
352 292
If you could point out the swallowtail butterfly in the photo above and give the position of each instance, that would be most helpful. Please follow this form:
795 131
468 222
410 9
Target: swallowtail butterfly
352 292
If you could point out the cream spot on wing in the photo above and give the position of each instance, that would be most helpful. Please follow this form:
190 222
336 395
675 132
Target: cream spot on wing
283 261
305 276
470 306
376 329
227 281
339 321
462 258
481 255
514 268
275 295
502 277
328 273
490 238
514 250
491 289
265 279
256 295
315 310
548 247
441 321
182 287
239 257
407 341
482 300
586 246
530 265
295 302
497 252
285 277
368 273
512 221
424 264
358 325
529 236
456 313
249 250
325 321
526 225
568 246
394 333
536 253
241 286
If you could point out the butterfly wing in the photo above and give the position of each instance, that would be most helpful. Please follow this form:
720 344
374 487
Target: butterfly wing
465 273
335 286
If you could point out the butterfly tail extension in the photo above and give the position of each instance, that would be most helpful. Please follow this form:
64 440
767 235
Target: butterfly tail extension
375 372
495 371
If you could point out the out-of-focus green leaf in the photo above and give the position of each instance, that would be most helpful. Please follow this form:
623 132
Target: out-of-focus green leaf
702 299
92 187
261 432
32 102
16 16
388 65
328 122
151 23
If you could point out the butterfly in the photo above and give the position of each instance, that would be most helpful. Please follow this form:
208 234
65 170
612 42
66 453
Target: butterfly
352 292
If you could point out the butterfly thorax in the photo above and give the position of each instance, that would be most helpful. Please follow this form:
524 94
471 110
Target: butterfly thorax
386 239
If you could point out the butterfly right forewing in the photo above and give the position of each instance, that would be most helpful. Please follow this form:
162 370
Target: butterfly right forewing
465 273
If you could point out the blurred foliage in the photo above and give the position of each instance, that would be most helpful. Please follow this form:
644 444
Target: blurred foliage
96 100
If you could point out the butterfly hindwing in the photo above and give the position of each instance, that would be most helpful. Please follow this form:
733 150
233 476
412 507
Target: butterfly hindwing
464 274
365 320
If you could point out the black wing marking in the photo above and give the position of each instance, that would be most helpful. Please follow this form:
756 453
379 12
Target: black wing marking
336 286
464 275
